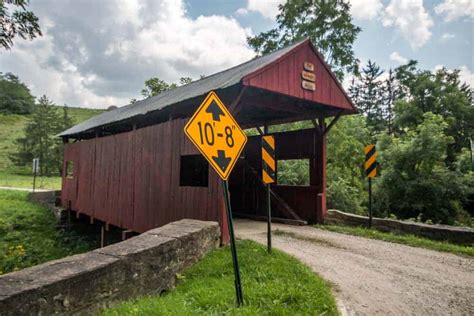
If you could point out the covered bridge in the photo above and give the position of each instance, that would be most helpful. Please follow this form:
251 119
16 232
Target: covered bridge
133 167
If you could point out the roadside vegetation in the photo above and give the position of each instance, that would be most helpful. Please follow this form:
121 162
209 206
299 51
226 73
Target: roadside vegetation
29 234
275 284
405 239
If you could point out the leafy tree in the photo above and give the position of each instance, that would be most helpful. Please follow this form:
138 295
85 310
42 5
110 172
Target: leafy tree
185 80
327 23
415 182
15 20
67 120
389 97
367 94
40 140
440 93
155 86
345 175
15 97
293 172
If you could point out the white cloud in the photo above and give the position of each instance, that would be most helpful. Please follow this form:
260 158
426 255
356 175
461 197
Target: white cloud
455 9
411 18
103 57
447 36
396 57
242 11
465 75
365 9
267 8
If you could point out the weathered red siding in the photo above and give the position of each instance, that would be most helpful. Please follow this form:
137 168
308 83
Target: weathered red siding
284 77
131 180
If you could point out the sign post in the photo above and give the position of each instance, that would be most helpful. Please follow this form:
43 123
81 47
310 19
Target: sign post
268 176
35 171
370 171
219 138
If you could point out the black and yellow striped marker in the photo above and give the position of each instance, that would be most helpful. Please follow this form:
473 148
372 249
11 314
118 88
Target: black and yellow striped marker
268 159
370 161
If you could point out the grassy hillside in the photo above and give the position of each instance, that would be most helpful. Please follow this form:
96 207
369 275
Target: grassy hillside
12 126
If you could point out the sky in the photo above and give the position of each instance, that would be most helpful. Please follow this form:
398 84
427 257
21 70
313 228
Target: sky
99 53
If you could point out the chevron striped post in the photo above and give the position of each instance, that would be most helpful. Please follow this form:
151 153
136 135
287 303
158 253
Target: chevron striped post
268 176
370 167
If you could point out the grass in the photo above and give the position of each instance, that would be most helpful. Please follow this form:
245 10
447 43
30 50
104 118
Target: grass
11 128
406 239
24 181
275 284
29 234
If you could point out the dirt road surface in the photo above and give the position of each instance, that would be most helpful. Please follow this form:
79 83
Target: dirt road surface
372 277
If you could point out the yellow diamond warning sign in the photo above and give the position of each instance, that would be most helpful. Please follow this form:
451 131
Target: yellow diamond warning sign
216 134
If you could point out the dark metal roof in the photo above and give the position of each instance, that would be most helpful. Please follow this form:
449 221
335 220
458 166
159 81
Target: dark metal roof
220 80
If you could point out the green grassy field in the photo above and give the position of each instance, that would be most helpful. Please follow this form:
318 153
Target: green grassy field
23 181
29 234
275 284
11 128
406 239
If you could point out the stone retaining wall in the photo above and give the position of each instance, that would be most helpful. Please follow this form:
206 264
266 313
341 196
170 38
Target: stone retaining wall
459 235
82 284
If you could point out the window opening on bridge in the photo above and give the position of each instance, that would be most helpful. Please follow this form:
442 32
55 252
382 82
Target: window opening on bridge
293 172
194 171
70 169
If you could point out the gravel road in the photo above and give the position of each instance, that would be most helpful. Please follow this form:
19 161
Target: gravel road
372 277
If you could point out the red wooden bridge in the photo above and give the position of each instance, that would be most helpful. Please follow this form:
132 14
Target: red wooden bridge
133 167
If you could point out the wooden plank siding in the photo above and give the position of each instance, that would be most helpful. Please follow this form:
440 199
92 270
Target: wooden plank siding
284 76
131 180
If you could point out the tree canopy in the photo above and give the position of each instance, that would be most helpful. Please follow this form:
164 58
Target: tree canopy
327 23
422 122
155 86
16 20
15 97
40 139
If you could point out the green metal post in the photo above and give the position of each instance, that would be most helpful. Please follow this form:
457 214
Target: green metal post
238 285
269 220
370 202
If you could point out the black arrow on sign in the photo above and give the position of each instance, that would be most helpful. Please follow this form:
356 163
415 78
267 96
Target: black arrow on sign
221 160
215 110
